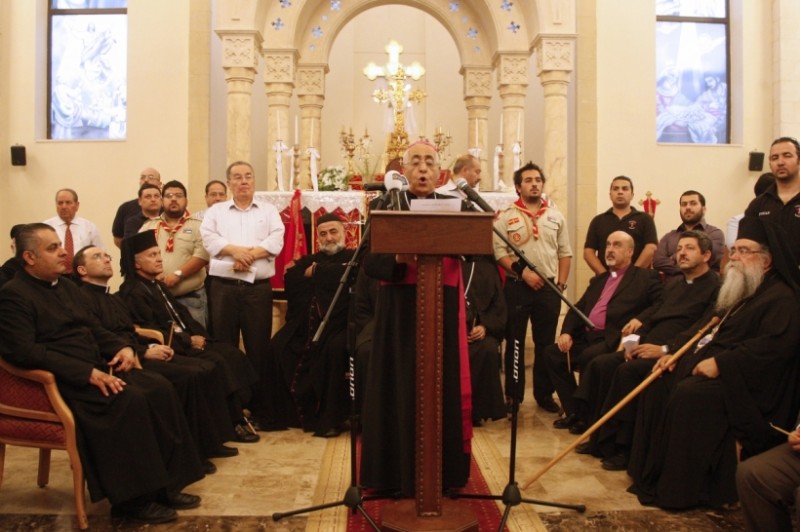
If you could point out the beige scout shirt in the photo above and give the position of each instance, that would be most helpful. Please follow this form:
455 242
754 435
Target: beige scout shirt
544 252
188 244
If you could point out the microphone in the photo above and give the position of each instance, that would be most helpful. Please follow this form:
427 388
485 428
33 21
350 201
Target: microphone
473 196
392 180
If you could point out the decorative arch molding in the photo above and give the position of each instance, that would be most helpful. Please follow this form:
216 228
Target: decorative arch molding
494 39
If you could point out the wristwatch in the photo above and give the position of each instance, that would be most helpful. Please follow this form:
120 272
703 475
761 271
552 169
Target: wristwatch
561 286
518 267
178 274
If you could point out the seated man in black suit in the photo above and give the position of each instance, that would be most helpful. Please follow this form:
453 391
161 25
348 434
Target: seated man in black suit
153 307
612 299
139 461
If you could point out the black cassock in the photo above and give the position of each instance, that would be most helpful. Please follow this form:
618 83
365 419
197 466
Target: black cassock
132 443
683 451
199 383
315 374
389 409
146 301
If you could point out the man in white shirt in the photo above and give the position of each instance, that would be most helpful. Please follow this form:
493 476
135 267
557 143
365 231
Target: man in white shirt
242 237
75 232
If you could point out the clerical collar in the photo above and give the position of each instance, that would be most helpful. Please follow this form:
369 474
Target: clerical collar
619 273
100 288
39 280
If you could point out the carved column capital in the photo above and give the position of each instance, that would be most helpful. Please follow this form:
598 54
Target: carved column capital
477 82
554 52
512 69
310 80
279 66
240 48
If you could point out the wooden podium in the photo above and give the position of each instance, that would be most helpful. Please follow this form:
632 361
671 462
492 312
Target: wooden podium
430 236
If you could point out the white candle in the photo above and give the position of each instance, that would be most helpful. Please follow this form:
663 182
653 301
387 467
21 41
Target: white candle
296 129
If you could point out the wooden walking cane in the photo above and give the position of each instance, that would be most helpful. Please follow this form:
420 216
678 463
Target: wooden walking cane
625 400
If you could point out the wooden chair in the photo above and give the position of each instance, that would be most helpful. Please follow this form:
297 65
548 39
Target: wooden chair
33 414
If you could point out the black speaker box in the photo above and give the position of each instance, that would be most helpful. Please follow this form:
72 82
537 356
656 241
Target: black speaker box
756 163
18 157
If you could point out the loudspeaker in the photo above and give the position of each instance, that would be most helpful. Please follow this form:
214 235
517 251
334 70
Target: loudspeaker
18 157
756 163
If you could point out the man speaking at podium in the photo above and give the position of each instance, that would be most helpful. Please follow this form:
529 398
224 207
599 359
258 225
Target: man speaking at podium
387 458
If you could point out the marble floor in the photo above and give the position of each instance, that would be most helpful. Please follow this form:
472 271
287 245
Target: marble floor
290 469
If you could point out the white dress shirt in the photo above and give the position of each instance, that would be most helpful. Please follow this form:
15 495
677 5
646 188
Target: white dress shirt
84 232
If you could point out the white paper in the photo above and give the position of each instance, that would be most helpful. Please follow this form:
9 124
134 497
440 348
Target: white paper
224 268
435 205
630 342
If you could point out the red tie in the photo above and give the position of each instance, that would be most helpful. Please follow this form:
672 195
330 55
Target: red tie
69 246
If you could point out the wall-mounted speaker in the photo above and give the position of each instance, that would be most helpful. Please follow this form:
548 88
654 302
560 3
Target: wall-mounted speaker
18 157
756 163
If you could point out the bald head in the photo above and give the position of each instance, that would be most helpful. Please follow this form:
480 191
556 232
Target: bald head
619 250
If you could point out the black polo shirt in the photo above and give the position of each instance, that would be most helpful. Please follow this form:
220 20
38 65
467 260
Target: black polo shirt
636 223
769 206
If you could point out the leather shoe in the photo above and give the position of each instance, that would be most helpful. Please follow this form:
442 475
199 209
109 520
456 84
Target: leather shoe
208 467
579 427
566 422
244 435
618 462
180 501
224 451
584 448
150 513
548 404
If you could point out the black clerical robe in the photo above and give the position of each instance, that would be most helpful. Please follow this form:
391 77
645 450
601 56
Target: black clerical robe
132 444
315 374
485 305
199 383
684 445
153 307
389 410
607 379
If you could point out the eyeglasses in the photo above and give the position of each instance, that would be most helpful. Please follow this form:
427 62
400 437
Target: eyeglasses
174 195
743 252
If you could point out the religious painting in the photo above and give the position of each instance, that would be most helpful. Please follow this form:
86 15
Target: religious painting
88 76
692 92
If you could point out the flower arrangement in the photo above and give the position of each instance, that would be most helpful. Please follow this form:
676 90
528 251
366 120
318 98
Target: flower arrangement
333 178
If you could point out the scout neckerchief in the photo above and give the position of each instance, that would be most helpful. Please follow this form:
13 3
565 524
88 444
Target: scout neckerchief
171 231
520 205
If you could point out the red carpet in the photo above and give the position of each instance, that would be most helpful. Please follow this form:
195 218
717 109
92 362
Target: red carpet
485 511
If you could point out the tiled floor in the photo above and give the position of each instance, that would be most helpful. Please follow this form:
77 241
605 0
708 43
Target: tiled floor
288 470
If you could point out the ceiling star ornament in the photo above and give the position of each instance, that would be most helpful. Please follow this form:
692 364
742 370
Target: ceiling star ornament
336 5
316 32
454 6
286 3
472 33
513 27
505 5
278 24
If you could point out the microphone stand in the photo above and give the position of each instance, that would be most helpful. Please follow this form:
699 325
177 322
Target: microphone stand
353 496
511 494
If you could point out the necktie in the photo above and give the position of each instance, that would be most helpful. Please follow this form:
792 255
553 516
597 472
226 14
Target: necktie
69 246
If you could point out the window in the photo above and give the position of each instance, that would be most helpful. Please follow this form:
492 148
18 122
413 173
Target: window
692 71
87 77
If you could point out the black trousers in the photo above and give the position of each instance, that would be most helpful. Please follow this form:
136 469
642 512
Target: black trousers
541 308
239 308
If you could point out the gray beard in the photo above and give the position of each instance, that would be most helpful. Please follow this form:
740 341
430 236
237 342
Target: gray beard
331 249
740 283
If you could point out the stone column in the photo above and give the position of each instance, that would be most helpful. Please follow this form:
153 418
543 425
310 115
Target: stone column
512 82
239 61
279 73
311 95
477 98
554 60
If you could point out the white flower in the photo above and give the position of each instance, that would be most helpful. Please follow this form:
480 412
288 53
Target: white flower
333 178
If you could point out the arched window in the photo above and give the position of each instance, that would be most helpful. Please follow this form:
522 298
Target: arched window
87 75
692 71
